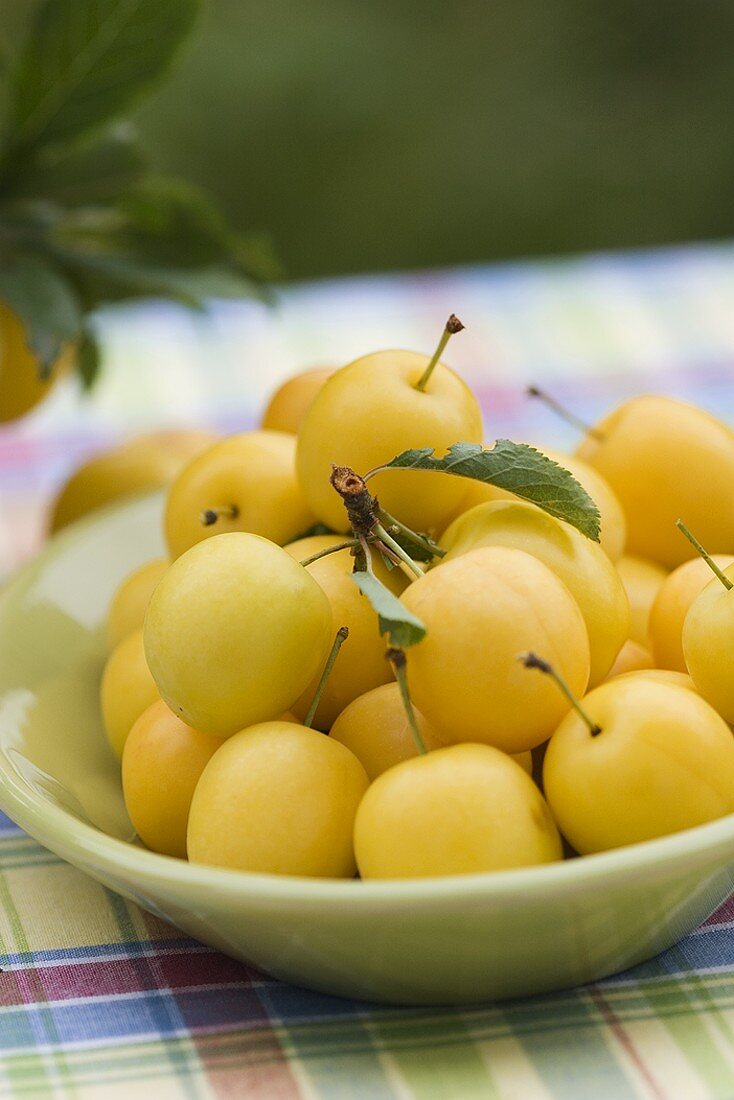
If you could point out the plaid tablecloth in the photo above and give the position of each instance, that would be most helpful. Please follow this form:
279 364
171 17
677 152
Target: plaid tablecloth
97 998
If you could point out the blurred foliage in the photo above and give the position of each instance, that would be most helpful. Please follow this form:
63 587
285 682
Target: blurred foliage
401 133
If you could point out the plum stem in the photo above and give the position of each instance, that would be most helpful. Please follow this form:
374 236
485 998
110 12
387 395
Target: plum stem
532 660
210 515
348 545
704 554
564 413
452 326
398 660
341 636
396 548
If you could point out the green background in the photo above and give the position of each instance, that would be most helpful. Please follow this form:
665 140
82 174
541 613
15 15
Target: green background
379 134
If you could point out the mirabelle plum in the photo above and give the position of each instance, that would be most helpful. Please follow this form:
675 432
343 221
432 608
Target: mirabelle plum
361 664
234 632
245 483
279 799
127 689
642 580
663 761
708 630
21 384
632 657
580 563
664 459
459 810
481 610
613 524
661 676
375 728
162 762
130 601
670 607
293 398
370 411
142 464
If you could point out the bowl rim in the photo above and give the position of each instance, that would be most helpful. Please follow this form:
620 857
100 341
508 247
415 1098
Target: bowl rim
62 832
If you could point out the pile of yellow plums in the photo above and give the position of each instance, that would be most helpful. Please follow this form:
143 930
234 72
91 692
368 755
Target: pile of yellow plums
496 690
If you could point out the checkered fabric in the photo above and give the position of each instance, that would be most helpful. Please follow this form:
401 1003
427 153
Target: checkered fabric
98 998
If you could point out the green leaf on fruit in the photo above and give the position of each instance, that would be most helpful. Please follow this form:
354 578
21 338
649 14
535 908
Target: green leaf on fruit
518 468
402 628
46 304
87 61
93 174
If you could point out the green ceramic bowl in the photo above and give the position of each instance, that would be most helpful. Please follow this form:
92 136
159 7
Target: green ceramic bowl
438 941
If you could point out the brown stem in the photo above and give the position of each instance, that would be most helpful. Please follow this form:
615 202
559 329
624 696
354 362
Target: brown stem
361 506
210 515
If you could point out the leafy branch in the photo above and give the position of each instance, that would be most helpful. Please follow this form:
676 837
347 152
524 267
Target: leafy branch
513 466
83 222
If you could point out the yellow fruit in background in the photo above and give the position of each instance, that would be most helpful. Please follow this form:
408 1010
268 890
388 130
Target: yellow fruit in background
130 601
670 607
252 477
613 524
235 631
642 580
632 657
278 799
361 664
375 728
666 460
661 676
663 761
579 562
370 411
127 689
21 386
481 611
708 633
143 464
162 762
293 398
464 809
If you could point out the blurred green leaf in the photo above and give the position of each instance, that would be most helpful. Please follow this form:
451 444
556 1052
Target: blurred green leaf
87 61
89 361
46 303
95 173
108 277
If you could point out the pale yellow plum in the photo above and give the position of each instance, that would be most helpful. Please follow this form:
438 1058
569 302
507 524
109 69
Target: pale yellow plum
708 631
375 728
663 761
279 799
665 459
632 657
579 562
251 477
460 810
127 689
670 607
293 398
661 676
162 762
142 464
234 632
21 384
361 664
613 524
370 411
481 611
130 601
642 581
